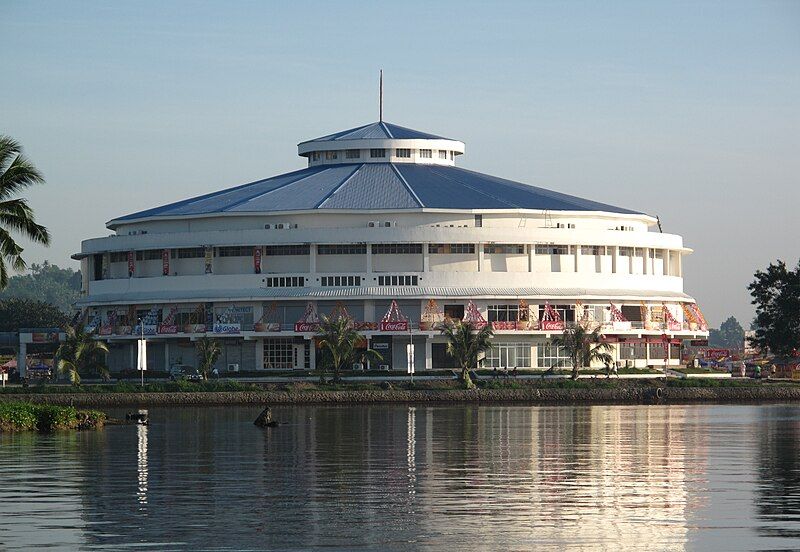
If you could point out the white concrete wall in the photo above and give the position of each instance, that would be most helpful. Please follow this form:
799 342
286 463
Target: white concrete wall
397 263
501 262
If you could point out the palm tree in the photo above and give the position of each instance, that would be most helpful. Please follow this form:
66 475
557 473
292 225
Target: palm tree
466 343
208 351
338 336
81 353
16 174
583 347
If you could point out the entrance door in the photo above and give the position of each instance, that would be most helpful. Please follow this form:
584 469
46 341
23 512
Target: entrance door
508 357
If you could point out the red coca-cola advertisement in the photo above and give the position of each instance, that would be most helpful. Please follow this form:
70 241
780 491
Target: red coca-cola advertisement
551 324
165 262
257 260
394 326
303 327
167 329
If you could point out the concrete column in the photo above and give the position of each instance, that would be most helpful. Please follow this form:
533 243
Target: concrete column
368 339
259 354
312 356
614 255
369 258
426 258
428 353
531 253
166 355
577 258
133 352
369 311
666 262
480 257
679 263
312 258
22 366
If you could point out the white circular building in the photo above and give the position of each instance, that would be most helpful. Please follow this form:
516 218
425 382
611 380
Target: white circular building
382 216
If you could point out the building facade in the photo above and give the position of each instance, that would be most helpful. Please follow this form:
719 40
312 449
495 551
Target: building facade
384 226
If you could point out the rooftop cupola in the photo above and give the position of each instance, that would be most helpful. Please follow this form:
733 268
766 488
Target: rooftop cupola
381 142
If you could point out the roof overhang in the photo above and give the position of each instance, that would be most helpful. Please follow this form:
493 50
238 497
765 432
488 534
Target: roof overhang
305 148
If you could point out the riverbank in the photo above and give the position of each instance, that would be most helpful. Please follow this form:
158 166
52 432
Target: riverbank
601 391
19 415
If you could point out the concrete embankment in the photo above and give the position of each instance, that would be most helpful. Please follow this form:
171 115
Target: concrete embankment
613 395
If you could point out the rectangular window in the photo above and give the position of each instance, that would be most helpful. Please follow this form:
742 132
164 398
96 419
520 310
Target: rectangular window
119 256
343 249
451 248
286 250
626 251
402 280
340 281
191 253
402 152
352 154
331 155
149 255
236 251
285 281
377 152
425 153
505 248
593 250
315 156
279 354
503 313
547 249
396 248
566 312
551 356
632 351
508 355
442 154
456 312
478 221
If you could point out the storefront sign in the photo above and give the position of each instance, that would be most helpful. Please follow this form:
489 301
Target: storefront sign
167 329
42 337
304 327
396 326
504 325
227 328
551 324
716 354
148 330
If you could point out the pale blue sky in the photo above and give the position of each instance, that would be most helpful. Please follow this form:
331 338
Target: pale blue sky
689 111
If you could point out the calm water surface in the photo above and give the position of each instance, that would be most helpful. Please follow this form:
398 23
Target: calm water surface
412 478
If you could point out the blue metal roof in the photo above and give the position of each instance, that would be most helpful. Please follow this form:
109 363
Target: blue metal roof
378 186
379 130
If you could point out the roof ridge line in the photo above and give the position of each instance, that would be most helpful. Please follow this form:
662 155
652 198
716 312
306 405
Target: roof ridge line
474 189
389 132
407 185
339 187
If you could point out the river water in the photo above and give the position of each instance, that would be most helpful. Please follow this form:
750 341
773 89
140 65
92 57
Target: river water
396 477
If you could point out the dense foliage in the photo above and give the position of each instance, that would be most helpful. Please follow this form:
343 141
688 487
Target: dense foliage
48 283
23 416
81 354
16 216
341 344
28 313
208 352
776 295
730 335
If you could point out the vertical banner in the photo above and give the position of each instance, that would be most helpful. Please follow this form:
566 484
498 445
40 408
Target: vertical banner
104 267
257 259
165 262
410 357
209 259
141 361
131 264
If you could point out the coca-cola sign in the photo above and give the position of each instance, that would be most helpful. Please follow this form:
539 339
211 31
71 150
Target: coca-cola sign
305 327
397 326
168 329
551 325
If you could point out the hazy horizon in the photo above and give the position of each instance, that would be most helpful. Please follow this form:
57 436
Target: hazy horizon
686 111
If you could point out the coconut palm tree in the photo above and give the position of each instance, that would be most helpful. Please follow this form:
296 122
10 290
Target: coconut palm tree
584 347
466 344
208 351
16 216
81 353
338 337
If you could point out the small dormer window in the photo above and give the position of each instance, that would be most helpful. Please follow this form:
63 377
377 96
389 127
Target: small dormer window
377 152
442 154
331 155
352 154
425 153
402 152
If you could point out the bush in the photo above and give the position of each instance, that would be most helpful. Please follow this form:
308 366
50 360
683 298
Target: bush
21 416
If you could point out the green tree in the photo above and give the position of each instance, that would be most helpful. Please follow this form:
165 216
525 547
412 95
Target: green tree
584 347
338 337
730 335
46 282
208 352
27 313
81 353
16 216
776 295
466 344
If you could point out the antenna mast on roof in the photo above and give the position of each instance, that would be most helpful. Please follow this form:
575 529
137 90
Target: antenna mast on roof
380 101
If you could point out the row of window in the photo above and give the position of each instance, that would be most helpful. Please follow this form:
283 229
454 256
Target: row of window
379 153
340 281
508 249
397 248
401 280
451 248
343 249
285 281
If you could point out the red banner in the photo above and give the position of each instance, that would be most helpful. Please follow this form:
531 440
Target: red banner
257 259
165 262
131 264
